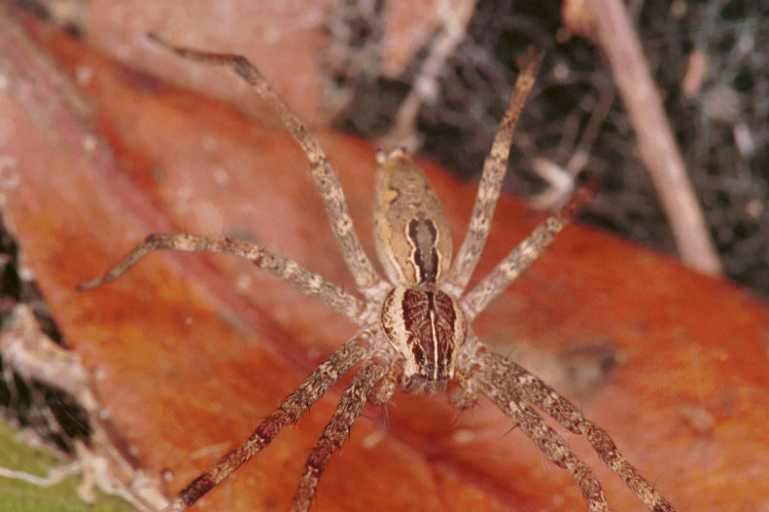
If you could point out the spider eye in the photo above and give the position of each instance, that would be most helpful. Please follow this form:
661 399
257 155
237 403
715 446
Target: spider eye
427 327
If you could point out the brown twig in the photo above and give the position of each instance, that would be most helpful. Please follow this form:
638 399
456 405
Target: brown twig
454 18
614 32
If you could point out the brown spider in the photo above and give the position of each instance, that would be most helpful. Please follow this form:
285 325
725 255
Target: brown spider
415 326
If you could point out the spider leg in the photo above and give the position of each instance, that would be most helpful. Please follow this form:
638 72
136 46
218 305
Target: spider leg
520 382
336 433
324 176
306 281
494 170
506 396
292 408
522 256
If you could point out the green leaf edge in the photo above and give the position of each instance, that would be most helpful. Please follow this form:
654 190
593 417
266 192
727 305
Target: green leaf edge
19 496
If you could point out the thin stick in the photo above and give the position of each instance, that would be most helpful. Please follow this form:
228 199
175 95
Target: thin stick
454 17
656 144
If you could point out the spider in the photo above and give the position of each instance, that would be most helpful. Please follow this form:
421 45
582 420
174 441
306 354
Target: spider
415 331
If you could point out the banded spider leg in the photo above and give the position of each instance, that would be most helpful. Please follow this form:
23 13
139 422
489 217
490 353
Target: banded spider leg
415 331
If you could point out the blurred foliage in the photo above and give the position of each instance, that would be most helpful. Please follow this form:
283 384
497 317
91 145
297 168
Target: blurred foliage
18 496
45 413
50 413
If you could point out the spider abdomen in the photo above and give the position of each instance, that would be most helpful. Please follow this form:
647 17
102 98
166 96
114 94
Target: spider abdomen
427 327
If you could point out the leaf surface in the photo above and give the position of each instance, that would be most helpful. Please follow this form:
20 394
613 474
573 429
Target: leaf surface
190 351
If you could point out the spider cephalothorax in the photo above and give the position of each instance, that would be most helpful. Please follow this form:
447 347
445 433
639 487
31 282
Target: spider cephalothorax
414 326
422 322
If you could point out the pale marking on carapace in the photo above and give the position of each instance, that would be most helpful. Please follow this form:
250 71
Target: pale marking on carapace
412 235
